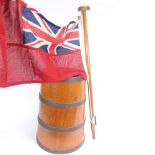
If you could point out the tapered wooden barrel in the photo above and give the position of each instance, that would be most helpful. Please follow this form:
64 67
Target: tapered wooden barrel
61 116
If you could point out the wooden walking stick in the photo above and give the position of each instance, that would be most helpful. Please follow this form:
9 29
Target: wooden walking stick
83 10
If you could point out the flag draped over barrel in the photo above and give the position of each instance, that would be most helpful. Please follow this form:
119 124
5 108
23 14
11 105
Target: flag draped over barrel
33 49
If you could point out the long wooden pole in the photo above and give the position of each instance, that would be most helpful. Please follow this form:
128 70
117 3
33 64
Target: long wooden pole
83 10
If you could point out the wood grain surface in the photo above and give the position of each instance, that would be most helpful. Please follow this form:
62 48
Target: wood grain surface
62 118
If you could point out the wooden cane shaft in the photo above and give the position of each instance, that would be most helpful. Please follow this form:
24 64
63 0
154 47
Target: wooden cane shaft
87 57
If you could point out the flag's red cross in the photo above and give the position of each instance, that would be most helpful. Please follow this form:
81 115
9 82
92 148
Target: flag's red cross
44 36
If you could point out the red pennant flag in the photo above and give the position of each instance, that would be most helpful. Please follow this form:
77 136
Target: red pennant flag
33 49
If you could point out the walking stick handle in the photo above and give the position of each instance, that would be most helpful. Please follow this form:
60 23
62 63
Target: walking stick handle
83 8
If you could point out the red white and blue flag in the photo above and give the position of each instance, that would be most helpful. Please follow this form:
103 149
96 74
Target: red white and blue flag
33 49
38 32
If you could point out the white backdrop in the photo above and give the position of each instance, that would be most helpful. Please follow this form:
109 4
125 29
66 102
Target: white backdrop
122 46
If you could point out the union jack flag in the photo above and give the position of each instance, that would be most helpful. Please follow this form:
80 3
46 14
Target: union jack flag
38 32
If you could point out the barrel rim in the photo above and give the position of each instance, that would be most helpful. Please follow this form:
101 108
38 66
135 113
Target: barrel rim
60 152
74 79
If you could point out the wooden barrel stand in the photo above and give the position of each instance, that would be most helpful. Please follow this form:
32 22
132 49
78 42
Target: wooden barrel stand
61 116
